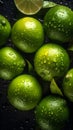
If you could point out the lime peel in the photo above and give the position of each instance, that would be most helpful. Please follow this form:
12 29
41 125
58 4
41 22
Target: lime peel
49 4
55 89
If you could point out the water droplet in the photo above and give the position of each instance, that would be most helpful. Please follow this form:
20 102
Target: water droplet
3 22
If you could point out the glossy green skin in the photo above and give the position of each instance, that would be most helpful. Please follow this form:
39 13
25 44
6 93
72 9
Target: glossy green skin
68 85
50 61
5 30
27 34
11 63
52 113
58 24
24 92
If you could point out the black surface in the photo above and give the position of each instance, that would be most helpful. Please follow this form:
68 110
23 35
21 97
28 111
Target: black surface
10 118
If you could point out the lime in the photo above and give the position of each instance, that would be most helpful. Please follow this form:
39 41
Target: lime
58 24
68 85
11 63
28 34
29 7
24 92
51 60
52 113
5 29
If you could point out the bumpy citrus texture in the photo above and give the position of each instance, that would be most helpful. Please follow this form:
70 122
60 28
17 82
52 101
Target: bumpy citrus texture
28 34
68 85
58 23
51 60
5 29
29 7
24 92
52 113
11 63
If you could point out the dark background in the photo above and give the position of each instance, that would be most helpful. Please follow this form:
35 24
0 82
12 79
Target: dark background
10 118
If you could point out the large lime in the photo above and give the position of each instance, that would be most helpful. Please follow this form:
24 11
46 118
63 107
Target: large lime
58 23
28 34
52 113
51 60
24 92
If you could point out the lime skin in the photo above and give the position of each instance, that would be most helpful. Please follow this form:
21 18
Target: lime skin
11 63
5 30
51 61
27 34
52 113
24 92
68 85
58 24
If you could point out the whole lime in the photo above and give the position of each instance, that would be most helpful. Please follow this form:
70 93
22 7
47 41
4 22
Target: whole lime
5 29
28 34
68 85
51 60
24 92
11 63
52 113
58 24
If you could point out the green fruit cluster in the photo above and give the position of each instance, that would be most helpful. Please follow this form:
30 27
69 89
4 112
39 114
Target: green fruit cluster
30 63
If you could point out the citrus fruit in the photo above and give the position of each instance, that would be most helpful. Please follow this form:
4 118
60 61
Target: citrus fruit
28 7
51 60
52 113
11 63
24 92
5 29
68 85
28 34
58 24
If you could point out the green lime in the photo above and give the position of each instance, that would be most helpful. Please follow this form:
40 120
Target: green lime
68 85
11 63
54 88
52 113
5 29
51 60
58 23
24 92
28 7
28 34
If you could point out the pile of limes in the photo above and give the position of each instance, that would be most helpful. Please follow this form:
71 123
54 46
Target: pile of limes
31 61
